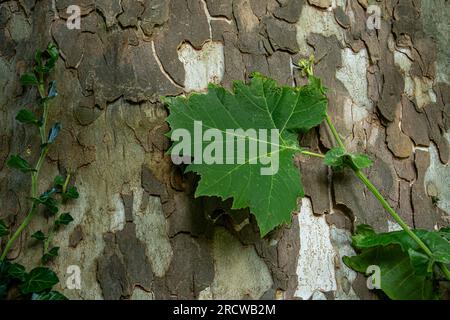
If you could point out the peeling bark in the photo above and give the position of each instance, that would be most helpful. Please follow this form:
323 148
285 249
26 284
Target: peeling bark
138 231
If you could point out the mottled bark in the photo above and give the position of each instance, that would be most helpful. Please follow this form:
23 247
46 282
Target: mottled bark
138 232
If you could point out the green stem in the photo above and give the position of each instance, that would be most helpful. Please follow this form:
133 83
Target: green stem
66 183
334 132
386 205
312 154
19 230
49 239
34 175
31 213
391 211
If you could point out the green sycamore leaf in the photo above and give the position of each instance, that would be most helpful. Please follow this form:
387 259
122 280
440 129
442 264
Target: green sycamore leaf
261 104
17 162
28 117
52 295
64 219
361 161
335 158
400 257
29 79
4 231
338 159
421 263
439 246
39 279
398 278
445 233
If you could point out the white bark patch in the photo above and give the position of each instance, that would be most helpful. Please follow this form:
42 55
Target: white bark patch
151 229
437 179
424 92
353 76
403 61
139 294
117 211
239 271
393 226
315 269
345 276
322 22
419 88
202 66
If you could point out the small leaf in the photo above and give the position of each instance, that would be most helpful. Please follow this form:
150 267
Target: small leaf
4 231
17 162
47 200
52 295
361 161
38 57
54 131
338 158
29 79
53 54
59 181
39 235
39 279
53 252
71 193
28 117
334 158
52 92
64 219
17 271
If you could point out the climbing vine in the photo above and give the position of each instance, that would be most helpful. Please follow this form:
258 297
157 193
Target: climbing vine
411 263
15 281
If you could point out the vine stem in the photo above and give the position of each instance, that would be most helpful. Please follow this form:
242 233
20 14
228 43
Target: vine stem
34 176
385 204
312 154
334 132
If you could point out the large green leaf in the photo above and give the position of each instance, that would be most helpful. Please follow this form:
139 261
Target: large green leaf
406 271
439 246
39 279
398 278
261 104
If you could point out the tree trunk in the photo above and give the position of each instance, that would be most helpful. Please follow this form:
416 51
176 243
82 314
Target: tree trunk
138 231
